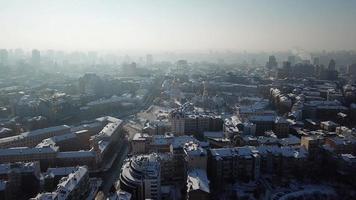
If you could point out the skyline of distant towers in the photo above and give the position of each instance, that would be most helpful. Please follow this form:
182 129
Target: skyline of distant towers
3 56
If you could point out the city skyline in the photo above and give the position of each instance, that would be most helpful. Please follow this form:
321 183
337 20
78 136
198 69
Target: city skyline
160 25
182 100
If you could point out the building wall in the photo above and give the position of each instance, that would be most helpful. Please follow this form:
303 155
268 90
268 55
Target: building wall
198 194
196 161
138 146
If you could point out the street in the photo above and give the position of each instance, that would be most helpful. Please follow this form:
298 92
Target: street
110 176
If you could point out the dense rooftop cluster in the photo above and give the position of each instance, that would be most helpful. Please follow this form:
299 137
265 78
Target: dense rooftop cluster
184 130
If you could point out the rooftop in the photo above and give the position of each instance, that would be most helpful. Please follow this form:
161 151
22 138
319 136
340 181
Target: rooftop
35 133
214 134
198 180
193 149
19 167
75 154
348 158
120 195
46 196
28 151
249 151
3 185
180 141
61 171
69 183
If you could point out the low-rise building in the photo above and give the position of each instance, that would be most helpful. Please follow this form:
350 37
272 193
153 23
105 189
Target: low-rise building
49 153
187 120
74 186
32 138
247 163
19 180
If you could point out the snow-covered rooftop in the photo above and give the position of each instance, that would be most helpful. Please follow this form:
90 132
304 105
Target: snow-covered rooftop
28 151
214 134
35 133
75 154
69 183
193 149
249 151
198 180
61 171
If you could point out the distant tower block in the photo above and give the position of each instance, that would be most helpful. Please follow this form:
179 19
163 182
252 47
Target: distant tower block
292 60
36 57
182 66
205 94
205 91
175 91
3 56
149 59
332 65
272 62
316 61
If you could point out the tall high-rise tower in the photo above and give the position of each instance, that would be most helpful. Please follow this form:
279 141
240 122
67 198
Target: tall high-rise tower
149 59
36 57
272 62
332 65
291 60
316 61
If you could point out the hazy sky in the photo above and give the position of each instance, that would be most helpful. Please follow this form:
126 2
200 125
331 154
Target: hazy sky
179 24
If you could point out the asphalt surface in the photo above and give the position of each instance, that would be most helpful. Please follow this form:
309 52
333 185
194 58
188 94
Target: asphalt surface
109 177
